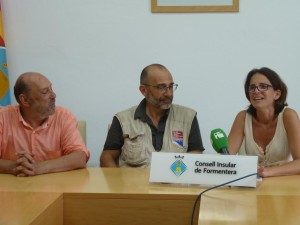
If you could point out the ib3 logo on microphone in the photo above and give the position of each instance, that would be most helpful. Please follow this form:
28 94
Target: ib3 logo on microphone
218 135
178 167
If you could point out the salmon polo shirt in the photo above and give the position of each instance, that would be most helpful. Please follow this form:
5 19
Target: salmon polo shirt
57 136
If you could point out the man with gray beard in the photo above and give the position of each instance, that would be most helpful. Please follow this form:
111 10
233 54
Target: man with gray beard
154 125
36 136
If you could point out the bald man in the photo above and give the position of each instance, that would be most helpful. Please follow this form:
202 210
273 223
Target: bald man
36 136
156 124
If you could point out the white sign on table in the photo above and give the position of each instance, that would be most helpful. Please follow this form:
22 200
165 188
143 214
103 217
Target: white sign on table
203 169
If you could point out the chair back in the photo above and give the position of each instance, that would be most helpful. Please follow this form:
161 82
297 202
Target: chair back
82 129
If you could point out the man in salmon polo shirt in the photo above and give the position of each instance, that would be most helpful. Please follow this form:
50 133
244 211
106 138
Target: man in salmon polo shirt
37 137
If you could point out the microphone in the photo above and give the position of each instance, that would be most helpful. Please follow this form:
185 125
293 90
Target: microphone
219 141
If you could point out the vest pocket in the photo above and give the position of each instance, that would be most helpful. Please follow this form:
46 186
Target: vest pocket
134 150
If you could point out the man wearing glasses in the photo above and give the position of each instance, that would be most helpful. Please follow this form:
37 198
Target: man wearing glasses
154 125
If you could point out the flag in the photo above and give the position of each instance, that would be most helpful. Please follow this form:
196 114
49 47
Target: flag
4 82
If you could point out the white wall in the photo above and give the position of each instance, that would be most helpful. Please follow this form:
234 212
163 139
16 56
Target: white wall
94 50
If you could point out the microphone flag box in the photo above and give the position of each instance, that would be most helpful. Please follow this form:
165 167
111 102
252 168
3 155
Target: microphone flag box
203 169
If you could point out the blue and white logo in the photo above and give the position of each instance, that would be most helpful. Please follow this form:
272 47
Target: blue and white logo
178 167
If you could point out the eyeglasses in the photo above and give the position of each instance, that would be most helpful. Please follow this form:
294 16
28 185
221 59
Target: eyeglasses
260 87
163 88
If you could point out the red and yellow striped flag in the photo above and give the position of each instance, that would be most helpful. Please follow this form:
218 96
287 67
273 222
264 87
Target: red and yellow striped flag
4 81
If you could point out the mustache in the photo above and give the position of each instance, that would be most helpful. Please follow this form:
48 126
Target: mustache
166 98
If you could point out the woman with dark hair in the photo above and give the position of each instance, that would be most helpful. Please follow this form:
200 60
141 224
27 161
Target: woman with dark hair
268 128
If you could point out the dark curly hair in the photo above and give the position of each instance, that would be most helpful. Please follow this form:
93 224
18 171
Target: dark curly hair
277 84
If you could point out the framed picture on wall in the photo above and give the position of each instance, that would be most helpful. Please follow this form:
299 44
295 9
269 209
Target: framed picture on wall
159 6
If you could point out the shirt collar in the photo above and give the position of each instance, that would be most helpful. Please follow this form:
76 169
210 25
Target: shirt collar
21 120
140 112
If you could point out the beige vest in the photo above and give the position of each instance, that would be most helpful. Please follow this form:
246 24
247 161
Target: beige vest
277 151
137 148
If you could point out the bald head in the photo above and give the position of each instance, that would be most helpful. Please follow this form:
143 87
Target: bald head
25 82
151 70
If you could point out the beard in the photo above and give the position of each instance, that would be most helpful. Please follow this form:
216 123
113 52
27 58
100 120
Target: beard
52 106
162 103
46 110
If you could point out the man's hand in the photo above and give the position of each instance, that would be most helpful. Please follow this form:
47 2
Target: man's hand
26 165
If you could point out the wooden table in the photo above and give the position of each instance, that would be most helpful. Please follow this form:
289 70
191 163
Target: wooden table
22 208
113 196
